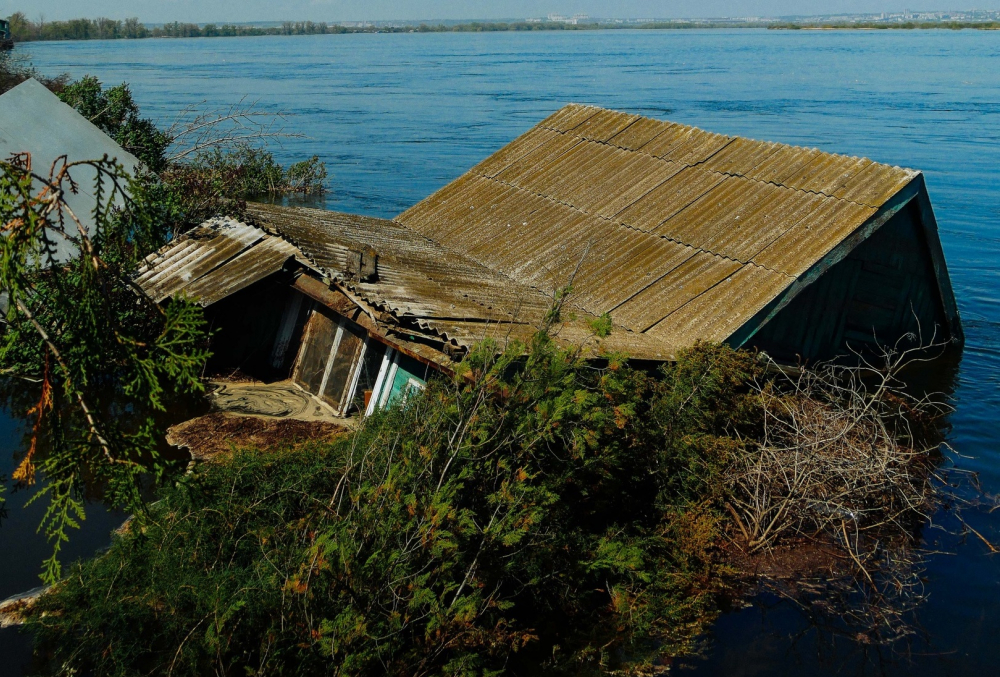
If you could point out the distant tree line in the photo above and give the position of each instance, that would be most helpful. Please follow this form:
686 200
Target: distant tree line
25 30
877 25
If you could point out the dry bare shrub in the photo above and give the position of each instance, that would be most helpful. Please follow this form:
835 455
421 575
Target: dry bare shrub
847 457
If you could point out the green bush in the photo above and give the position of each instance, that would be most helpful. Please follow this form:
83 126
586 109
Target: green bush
308 176
542 513
117 114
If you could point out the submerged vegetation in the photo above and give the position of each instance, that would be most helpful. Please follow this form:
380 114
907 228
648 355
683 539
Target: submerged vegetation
535 511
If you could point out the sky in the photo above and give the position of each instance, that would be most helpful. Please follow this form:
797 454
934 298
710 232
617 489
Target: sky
199 11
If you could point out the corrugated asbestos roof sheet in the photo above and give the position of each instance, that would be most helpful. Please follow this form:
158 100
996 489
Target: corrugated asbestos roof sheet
213 261
679 233
419 280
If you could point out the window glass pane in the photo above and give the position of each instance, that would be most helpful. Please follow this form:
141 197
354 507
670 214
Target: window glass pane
315 351
347 354
369 367
409 374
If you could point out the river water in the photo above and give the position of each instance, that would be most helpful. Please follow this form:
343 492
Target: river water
398 116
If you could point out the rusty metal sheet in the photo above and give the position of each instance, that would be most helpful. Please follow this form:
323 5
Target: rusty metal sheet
569 117
668 198
740 156
604 125
796 250
719 311
672 291
641 132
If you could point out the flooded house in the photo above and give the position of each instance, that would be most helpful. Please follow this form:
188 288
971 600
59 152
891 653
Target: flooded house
676 234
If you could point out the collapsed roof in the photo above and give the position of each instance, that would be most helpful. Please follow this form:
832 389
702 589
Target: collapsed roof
679 234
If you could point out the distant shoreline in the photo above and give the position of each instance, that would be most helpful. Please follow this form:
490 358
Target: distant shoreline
25 30
906 26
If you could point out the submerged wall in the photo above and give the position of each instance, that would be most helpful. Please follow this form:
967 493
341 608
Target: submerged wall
884 289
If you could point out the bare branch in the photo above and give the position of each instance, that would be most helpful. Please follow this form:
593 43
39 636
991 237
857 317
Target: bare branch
193 131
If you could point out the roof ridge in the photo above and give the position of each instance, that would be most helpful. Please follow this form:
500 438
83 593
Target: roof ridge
693 127
696 165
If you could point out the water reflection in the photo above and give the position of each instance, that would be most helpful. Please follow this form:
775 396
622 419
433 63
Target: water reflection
22 547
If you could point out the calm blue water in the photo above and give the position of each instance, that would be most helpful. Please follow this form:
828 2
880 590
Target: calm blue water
398 116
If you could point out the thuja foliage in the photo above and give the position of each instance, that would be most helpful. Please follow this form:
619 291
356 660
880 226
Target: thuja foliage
544 513
104 364
95 358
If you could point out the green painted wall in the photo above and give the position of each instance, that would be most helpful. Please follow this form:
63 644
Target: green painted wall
407 369
882 291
